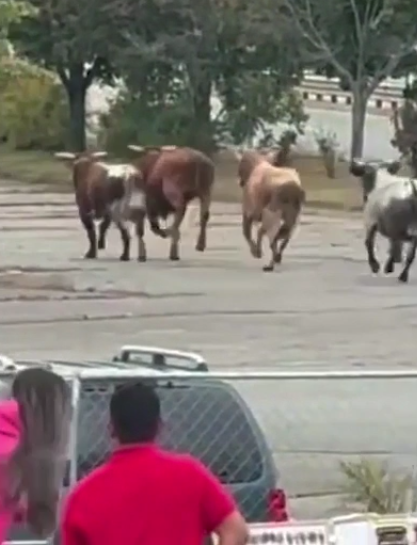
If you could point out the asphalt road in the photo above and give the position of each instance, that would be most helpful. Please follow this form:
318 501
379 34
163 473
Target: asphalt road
321 310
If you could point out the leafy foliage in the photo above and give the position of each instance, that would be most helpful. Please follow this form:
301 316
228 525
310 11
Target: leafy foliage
33 109
360 41
373 487
72 38
208 47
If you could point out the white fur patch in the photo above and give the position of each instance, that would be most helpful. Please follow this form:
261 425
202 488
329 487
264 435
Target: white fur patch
120 171
137 200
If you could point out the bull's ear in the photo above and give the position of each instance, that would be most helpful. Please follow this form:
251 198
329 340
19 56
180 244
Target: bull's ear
393 167
357 167
138 149
99 154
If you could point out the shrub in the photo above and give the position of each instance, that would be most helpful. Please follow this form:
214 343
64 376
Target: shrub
33 106
129 121
373 487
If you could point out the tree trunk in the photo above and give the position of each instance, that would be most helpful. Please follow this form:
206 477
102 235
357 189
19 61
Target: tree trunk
76 86
202 136
76 97
360 101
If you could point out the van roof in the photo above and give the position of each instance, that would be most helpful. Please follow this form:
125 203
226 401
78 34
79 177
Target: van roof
151 360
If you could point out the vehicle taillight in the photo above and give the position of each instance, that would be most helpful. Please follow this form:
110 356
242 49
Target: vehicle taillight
277 506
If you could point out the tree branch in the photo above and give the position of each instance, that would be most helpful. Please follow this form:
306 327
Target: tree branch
304 21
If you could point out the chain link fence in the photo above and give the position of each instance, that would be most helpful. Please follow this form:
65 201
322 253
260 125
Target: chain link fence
243 424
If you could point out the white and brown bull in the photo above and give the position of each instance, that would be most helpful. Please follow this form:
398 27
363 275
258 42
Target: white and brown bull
109 193
272 197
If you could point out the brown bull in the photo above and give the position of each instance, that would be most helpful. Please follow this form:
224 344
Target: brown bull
110 193
271 196
174 177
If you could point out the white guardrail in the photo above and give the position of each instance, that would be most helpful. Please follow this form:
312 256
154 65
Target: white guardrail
356 529
388 89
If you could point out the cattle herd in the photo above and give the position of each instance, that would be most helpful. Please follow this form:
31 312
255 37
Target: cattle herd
161 181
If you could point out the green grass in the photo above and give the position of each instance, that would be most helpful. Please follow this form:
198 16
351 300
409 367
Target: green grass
33 167
42 169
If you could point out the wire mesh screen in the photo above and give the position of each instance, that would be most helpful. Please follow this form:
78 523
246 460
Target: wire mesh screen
305 428
244 429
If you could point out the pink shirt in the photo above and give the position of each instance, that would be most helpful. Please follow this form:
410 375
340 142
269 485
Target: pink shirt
9 438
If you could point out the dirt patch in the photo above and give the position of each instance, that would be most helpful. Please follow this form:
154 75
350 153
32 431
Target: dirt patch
53 281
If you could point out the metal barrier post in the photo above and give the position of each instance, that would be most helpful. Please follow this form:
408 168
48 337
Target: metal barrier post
73 440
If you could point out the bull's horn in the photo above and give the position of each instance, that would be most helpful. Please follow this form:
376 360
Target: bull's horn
98 154
168 148
65 155
132 147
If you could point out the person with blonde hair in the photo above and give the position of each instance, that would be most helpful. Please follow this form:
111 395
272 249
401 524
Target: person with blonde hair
34 433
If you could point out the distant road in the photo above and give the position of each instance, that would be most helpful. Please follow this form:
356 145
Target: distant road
378 131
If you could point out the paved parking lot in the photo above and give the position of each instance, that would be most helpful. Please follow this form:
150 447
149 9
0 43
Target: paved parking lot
321 311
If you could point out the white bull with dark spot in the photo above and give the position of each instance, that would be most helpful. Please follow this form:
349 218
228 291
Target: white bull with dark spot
391 210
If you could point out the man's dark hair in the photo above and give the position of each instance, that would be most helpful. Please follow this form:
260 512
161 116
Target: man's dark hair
135 413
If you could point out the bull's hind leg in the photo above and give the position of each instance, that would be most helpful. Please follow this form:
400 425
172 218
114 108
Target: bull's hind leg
102 231
397 249
124 233
247 223
370 248
411 254
285 234
392 256
271 225
175 232
140 233
205 202
88 224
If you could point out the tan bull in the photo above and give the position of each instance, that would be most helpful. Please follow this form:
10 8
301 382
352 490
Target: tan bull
272 197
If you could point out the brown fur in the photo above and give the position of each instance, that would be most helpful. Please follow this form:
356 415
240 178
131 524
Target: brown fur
272 196
102 192
174 177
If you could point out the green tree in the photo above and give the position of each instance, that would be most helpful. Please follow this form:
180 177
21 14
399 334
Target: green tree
360 41
72 38
180 53
11 11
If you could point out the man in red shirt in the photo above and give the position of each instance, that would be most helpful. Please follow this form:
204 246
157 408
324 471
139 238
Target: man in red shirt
144 495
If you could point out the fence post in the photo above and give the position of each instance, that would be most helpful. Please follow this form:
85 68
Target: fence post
73 439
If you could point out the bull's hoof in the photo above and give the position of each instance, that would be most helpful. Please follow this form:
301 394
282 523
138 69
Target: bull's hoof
403 277
268 268
90 255
142 259
278 258
174 257
374 265
389 267
256 252
101 245
124 257
200 246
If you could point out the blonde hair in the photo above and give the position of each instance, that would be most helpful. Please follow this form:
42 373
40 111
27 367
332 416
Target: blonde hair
37 467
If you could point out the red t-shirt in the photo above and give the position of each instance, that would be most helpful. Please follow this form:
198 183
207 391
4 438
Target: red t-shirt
145 496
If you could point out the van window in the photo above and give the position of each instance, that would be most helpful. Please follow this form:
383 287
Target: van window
205 420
